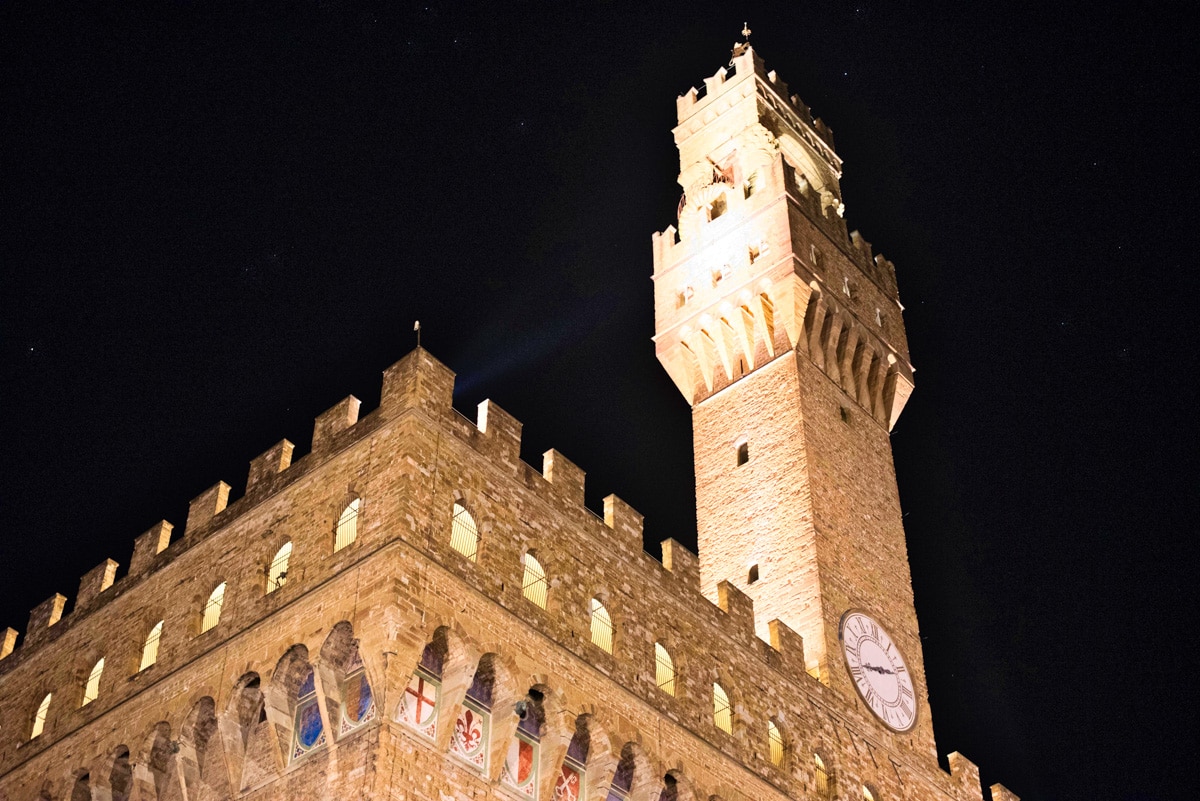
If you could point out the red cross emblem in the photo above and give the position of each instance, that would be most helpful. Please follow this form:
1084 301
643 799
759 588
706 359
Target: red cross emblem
423 699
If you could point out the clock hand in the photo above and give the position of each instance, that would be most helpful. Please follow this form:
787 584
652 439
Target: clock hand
879 670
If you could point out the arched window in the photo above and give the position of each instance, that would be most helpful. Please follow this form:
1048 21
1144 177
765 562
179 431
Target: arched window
722 714
150 648
869 793
743 453
520 771
347 526
664 669
824 777
622 781
308 730
670 789
278 570
120 778
602 627
775 743
39 719
91 690
751 184
472 730
212 608
571 783
419 705
358 702
464 534
534 584
82 791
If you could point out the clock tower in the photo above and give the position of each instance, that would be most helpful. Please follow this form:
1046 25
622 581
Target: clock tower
784 333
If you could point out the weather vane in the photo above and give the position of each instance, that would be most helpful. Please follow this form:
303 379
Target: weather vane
746 31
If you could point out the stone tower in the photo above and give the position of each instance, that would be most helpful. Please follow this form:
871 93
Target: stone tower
784 334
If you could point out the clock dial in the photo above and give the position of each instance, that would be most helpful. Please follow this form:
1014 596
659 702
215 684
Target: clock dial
878 670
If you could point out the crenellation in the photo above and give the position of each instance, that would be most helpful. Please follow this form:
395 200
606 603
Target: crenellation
42 617
965 774
682 563
266 466
501 435
204 507
566 477
739 606
418 381
789 645
625 521
1001 793
148 546
94 583
333 421
8 641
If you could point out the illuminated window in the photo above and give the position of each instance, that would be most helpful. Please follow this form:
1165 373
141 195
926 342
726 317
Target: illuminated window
347 526
212 609
869 793
39 720
278 571
520 771
91 690
824 778
602 627
534 584
464 534
308 729
150 649
722 714
775 741
664 669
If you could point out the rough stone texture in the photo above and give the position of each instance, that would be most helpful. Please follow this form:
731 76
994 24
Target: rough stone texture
213 718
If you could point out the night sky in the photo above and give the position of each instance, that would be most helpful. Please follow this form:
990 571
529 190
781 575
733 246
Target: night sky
217 222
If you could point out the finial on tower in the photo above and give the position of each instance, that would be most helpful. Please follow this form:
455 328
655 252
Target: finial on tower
741 47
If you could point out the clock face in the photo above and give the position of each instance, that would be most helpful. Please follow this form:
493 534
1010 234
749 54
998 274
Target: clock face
878 670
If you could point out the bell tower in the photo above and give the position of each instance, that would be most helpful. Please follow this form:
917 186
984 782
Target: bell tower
784 333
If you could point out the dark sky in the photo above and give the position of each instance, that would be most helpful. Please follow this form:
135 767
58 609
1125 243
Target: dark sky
217 222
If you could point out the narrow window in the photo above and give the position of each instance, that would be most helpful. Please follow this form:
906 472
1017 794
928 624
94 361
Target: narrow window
571 783
869 793
752 577
347 526
150 648
307 727
716 208
754 253
622 781
824 778
212 608
775 742
722 715
472 730
520 771
534 584
358 702
39 720
664 669
91 690
464 534
278 571
419 704
602 627
120 778
743 453
751 185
